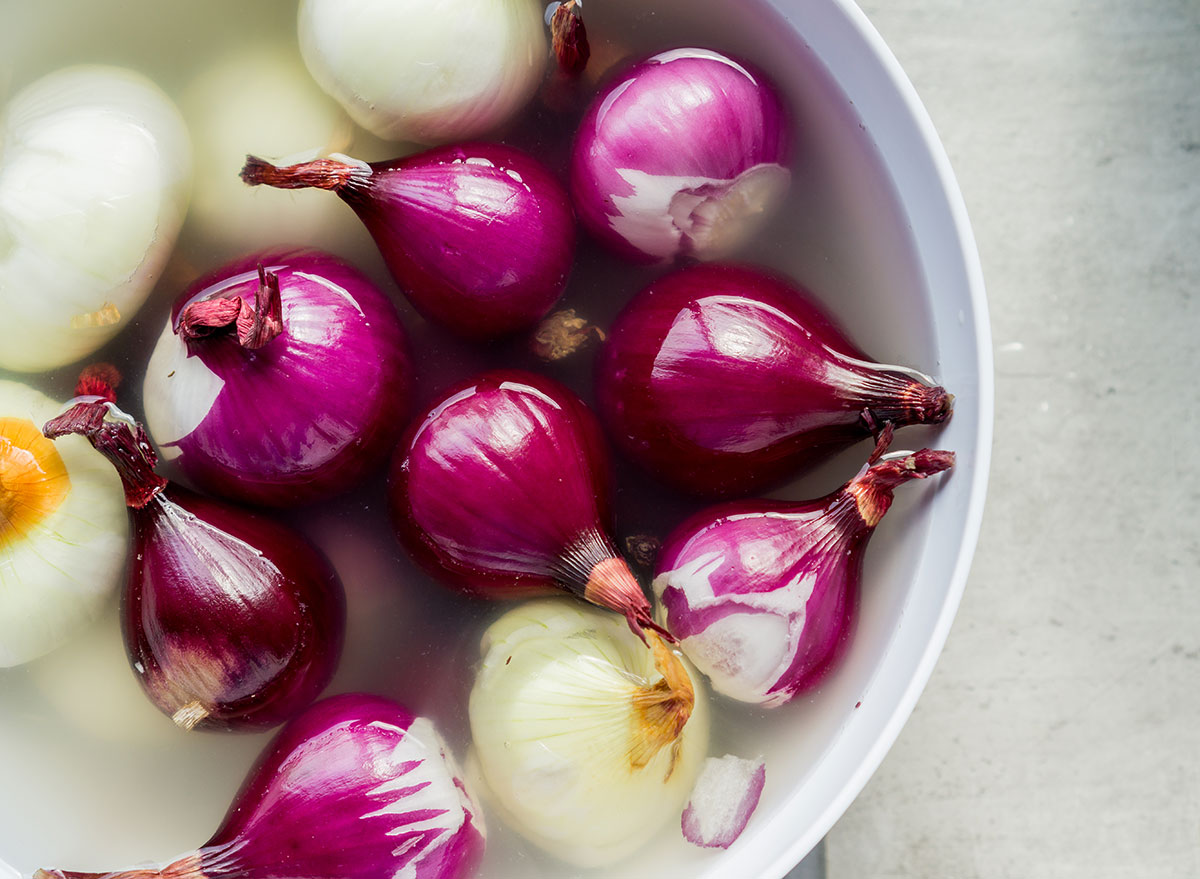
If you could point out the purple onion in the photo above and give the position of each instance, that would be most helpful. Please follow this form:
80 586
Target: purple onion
281 378
354 788
763 595
480 236
502 490
230 621
684 155
722 379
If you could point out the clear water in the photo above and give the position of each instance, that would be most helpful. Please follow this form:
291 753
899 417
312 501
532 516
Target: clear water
84 786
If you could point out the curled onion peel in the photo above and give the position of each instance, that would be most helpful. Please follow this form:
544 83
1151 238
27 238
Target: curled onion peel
722 379
685 155
480 236
280 378
763 595
502 490
356 787
231 621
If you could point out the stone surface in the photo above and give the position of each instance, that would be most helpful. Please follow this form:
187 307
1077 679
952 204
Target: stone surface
1060 734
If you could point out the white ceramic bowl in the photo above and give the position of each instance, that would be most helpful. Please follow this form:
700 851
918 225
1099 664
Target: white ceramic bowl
876 225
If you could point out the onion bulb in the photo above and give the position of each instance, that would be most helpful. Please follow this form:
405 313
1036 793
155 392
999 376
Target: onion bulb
94 179
231 621
685 155
763 595
428 71
279 379
63 536
589 743
356 787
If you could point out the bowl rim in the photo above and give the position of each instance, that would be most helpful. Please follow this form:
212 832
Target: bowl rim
885 69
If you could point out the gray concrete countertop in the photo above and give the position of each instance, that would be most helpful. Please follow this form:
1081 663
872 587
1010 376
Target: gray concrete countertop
1060 734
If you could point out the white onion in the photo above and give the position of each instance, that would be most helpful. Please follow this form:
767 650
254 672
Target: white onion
94 178
63 529
429 71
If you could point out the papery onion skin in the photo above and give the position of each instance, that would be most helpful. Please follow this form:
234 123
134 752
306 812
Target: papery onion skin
426 71
554 732
94 180
479 236
63 537
357 787
303 417
723 379
231 621
763 595
502 490
686 154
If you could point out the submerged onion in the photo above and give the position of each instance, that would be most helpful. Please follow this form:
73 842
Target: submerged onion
280 378
480 236
230 621
722 379
428 71
588 742
686 155
63 539
94 178
763 595
502 490
354 788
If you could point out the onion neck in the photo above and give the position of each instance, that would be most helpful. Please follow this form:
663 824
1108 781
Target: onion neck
187 867
872 489
254 325
119 439
662 710
331 174
592 568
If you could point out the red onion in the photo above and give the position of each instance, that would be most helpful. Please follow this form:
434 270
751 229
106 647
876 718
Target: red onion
480 236
231 621
354 788
722 379
281 378
501 489
684 155
724 799
762 595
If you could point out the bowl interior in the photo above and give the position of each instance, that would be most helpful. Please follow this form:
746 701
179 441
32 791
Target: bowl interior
874 224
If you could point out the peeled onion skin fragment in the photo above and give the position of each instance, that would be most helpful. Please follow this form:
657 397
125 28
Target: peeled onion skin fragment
231 621
724 379
502 490
356 787
763 595
723 801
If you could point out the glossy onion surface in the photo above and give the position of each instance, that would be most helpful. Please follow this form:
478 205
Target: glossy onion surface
686 154
354 788
762 595
502 489
721 379
304 416
480 236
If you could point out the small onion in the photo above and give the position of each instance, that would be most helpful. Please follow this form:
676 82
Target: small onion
763 595
429 71
684 155
63 539
94 179
231 621
502 490
354 788
281 378
480 236
722 379
589 742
